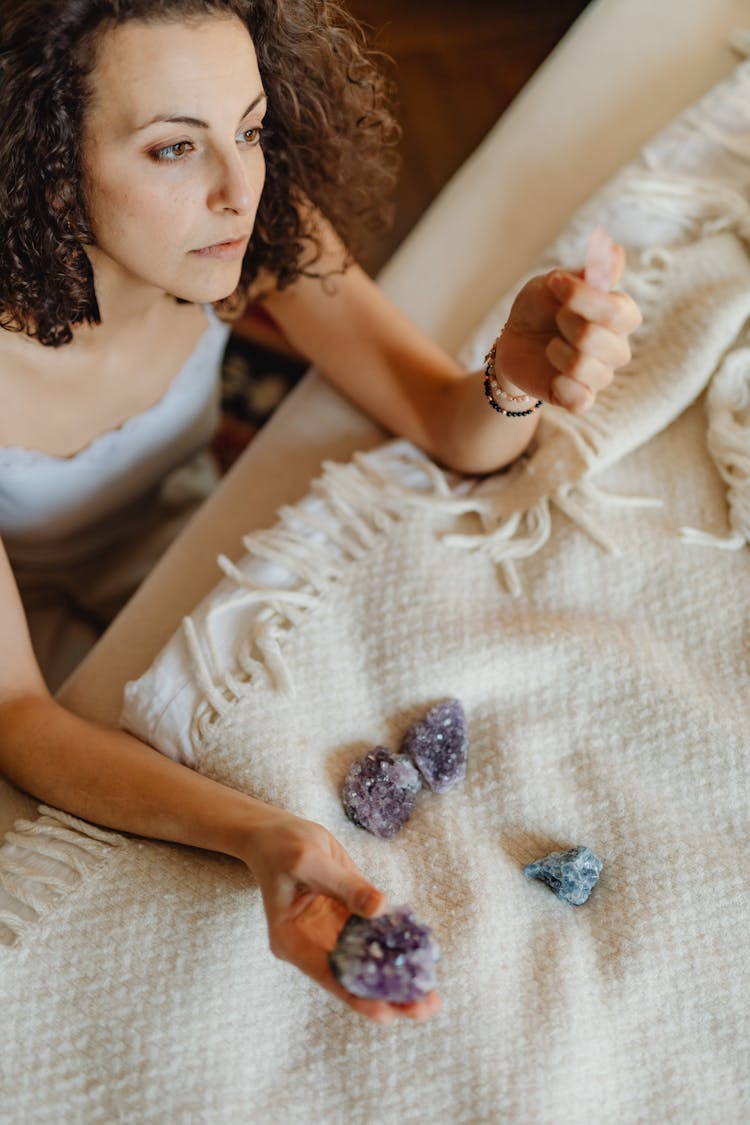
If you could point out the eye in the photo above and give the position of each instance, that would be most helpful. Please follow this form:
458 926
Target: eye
171 152
251 136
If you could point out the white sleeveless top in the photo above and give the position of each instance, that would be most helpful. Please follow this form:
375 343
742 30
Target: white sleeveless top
54 509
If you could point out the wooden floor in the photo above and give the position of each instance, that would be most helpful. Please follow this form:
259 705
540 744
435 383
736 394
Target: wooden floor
458 65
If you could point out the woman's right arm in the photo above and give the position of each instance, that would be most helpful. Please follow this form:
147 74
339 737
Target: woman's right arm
98 773
308 882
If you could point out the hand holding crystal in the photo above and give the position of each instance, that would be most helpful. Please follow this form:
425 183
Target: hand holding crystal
567 333
310 887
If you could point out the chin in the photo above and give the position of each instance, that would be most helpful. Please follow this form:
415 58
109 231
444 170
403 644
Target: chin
208 291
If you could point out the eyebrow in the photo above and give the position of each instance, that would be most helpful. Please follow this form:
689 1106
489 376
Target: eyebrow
179 119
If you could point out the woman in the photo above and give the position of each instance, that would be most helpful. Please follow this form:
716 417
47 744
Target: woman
137 137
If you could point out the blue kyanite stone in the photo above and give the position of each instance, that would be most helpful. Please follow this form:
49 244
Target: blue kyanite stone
380 792
438 745
391 957
572 875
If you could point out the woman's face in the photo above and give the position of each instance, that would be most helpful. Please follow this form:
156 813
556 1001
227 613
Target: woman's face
173 165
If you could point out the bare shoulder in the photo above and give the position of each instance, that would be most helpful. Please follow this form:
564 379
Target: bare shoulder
176 321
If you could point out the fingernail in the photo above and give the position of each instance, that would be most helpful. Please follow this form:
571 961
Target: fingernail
369 901
558 283
568 392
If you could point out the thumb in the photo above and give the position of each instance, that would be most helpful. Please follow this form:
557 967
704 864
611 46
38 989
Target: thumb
366 900
346 885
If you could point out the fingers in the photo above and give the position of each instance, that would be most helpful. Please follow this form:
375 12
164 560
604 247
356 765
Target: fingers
616 311
610 348
581 376
594 327
421 1009
330 875
307 904
297 946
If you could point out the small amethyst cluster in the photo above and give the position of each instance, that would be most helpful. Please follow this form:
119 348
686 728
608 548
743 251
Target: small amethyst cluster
438 744
380 790
391 957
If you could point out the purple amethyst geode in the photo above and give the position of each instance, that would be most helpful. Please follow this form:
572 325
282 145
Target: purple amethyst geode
380 792
438 745
391 957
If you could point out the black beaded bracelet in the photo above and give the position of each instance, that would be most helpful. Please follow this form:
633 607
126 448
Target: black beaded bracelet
491 387
501 409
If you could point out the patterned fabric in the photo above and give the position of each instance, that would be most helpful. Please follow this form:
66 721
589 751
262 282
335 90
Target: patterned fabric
254 380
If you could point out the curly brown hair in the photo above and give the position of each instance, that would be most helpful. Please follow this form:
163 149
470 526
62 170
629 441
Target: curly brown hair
331 135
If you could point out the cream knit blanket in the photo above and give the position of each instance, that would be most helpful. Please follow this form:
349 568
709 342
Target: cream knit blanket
607 706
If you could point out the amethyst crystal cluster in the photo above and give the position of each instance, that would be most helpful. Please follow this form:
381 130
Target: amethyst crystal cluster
438 746
380 790
391 957
572 875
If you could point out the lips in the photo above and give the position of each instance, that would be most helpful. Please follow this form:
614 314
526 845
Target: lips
228 249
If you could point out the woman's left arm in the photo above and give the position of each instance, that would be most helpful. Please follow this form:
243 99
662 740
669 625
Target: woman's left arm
558 327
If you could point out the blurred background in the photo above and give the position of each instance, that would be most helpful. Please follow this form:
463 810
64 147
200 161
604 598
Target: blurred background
457 65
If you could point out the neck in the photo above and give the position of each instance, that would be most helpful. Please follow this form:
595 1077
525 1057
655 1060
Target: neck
125 303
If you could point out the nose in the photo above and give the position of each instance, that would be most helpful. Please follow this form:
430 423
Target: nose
233 188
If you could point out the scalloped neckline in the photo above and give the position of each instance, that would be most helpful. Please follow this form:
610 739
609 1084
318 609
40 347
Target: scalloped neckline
116 433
